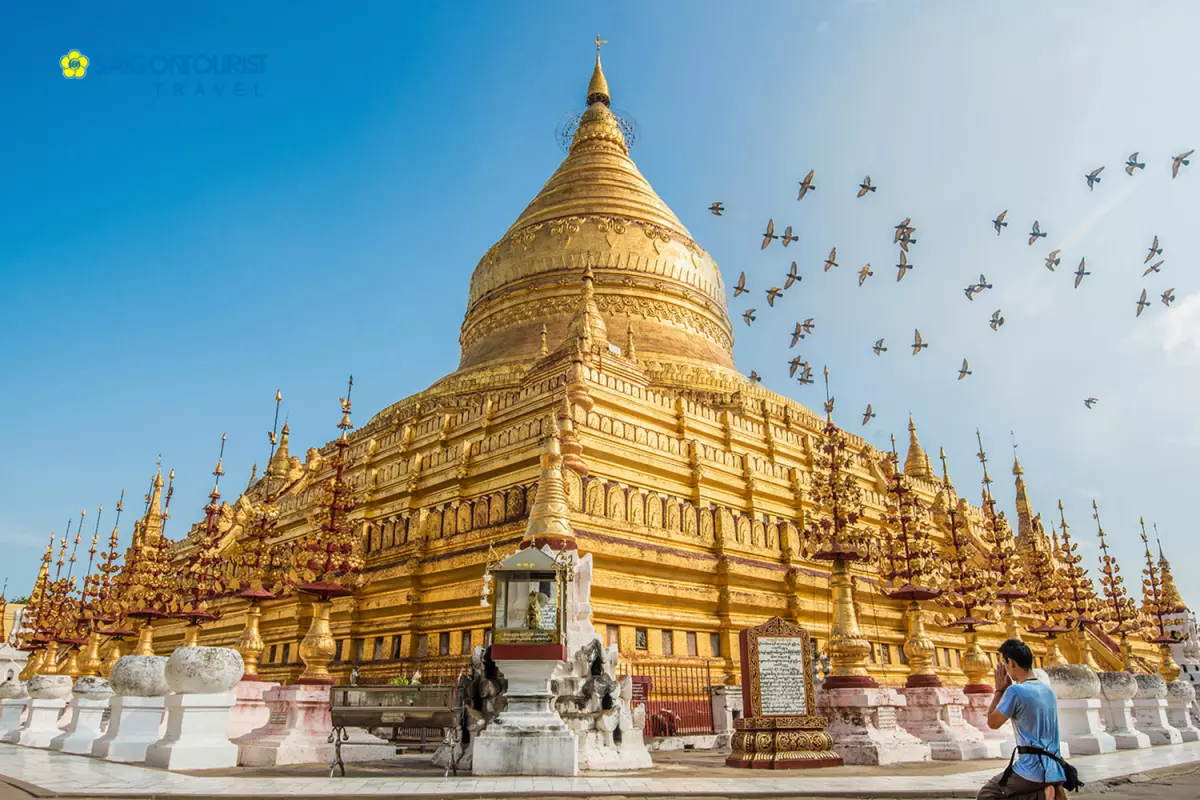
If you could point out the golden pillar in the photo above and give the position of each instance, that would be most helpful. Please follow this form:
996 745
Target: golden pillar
848 650
250 645
91 663
32 665
1086 657
145 644
71 666
116 652
49 665
1127 654
918 649
191 635
1011 631
1054 656
317 647
975 664
1167 666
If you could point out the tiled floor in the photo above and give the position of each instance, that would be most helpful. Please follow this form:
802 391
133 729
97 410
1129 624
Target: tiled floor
63 775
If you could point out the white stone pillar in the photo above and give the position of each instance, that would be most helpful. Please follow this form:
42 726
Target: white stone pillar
1117 690
12 710
864 728
975 712
529 738
934 714
1078 690
91 697
250 712
1181 696
201 680
47 698
297 732
726 707
1150 710
140 684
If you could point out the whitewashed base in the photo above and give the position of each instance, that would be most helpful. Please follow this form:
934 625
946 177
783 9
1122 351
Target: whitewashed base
41 724
81 735
862 724
1179 717
297 732
1151 716
934 714
1119 724
250 712
1000 742
1079 726
528 738
11 714
195 738
134 724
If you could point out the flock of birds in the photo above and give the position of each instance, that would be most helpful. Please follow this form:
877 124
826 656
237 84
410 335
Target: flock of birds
904 239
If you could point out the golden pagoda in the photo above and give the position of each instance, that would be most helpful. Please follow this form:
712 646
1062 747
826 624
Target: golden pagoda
596 305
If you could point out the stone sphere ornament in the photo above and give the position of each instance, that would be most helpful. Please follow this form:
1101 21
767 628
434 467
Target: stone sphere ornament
13 689
93 688
140 676
1074 681
1117 685
204 670
1151 687
49 687
1181 691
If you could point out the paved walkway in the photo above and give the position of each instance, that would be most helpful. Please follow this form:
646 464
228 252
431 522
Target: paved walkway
48 774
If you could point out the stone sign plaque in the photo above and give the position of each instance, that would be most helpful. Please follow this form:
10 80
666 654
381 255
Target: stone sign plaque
780 729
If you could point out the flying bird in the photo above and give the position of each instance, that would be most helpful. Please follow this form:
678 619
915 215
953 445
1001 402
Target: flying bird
832 260
740 288
1091 401
918 342
997 320
717 208
868 415
1132 163
1093 178
865 187
901 228
1154 249
1079 273
999 222
970 292
1141 303
864 273
906 238
748 315
983 284
903 266
755 377
963 370
794 365
1178 161
807 185
1034 234
792 276
769 235
802 330
1053 260
787 236
1155 267
773 293
1168 297
879 348
806 376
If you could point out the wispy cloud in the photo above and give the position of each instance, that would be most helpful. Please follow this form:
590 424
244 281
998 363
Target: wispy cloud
1085 226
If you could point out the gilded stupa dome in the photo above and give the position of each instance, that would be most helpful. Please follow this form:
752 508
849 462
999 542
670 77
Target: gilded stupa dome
598 211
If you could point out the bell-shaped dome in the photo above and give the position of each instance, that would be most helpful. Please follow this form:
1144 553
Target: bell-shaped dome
598 211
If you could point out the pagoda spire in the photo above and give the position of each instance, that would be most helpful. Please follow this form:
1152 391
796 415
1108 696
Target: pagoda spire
281 460
1171 598
586 329
1025 526
916 463
598 86
550 516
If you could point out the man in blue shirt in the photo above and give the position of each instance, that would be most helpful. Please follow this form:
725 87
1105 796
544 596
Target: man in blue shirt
1033 709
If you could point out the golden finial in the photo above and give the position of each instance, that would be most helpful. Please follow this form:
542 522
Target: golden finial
345 424
218 472
630 352
598 85
945 469
543 351
828 399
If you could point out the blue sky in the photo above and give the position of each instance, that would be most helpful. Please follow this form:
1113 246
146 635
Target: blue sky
170 256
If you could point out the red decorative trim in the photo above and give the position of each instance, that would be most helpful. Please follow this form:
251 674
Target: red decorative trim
248 677
797 763
922 681
849 682
979 688
314 682
529 652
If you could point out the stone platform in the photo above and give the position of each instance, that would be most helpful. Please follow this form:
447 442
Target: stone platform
44 773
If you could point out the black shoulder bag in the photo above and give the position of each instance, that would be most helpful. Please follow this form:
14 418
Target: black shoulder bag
1071 780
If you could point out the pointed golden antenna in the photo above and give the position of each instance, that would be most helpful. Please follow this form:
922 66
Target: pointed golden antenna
345 424
166 515
62 551
273 435
828 399
75 545
87 576
219 470
945 469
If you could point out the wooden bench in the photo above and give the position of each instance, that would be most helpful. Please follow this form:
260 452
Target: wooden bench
395 707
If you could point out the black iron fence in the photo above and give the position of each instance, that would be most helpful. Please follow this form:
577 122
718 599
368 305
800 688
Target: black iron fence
677 697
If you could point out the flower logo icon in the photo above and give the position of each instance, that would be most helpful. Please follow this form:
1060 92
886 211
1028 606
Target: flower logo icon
74 64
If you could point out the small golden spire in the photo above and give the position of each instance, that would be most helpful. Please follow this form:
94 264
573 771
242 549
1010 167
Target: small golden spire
916 463
630 351
542 350
550 516
598 85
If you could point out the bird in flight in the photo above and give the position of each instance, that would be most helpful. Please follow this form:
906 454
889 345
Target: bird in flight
806 376
918 342
773 293
769 235
832 260
1154 249
1053 260
879 348
903 266
906 238
801 331
1079 273
1093 178
829 404
1034 234
740 288
997 320
901 228
1155 267
970 292
717 208
1168 297
983 283
1132 163
748 315
1178 161
755 377
998 223
1091 401
794 365
963 370
807 185
868 415
865 187
792 276
864 273
787 236
1141 303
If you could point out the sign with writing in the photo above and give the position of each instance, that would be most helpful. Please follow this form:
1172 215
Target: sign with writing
524 636
776 670
278 718
641 688
549 618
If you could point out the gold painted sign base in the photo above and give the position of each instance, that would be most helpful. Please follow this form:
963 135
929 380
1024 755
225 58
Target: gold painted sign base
782 743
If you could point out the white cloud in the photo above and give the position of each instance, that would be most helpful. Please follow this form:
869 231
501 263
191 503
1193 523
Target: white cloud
1178 330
